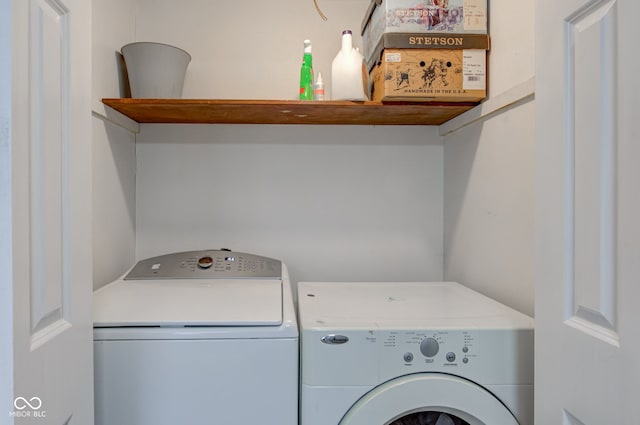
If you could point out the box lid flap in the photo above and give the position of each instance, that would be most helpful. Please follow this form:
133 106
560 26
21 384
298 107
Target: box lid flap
369 13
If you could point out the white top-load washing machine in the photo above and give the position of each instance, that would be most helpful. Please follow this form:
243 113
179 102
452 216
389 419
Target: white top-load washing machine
200 337
412 353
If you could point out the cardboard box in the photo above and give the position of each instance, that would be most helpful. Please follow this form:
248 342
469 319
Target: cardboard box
441 75
427 41
421 16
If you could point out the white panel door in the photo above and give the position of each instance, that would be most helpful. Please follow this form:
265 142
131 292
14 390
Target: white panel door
587 212
50 214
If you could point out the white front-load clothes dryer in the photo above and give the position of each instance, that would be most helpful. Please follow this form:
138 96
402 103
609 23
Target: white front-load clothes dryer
198 338
411 353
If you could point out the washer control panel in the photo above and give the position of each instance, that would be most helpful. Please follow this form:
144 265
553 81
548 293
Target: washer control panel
209 264
429 350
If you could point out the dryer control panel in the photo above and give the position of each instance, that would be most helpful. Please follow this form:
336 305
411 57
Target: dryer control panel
426 350
476 354
208 264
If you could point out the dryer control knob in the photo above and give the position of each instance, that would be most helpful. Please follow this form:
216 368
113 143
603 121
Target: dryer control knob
429 347
205 262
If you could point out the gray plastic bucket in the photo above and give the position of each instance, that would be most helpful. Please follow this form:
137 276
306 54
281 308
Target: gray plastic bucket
156 70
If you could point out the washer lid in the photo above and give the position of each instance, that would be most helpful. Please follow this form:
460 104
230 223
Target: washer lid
188 302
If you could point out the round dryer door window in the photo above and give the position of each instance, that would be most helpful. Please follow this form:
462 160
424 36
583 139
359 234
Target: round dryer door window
426 398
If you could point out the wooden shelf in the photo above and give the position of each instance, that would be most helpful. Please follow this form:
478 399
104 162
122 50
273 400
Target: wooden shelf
206 111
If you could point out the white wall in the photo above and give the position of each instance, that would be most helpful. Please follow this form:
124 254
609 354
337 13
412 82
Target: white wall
334 203
114 162
113 146
488 162
113 27
251 49
512 61
488 206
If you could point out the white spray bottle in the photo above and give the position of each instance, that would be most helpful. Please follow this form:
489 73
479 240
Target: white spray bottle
348 75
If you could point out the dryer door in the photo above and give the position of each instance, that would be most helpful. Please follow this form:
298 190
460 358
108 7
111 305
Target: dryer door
402 400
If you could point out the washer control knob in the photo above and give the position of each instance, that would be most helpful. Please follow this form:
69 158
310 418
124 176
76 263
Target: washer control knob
429 347
205 262
408 357
451 357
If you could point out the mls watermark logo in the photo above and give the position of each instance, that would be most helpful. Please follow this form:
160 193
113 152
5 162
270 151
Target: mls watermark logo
28 408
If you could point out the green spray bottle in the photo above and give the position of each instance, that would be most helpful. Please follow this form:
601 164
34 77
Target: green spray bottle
306 73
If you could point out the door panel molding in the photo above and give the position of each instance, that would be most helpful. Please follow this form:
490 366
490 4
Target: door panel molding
590 170
49 150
